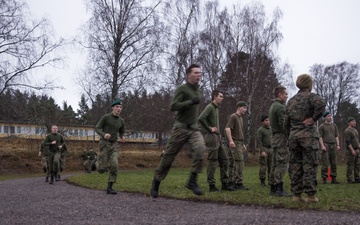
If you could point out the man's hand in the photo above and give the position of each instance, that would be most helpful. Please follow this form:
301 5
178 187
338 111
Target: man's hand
122 140
338 147
323 148
107 136
308 122
54 142
263 154
232 144
244 148
213 129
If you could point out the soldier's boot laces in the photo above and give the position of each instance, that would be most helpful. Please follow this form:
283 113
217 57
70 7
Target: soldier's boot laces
334 181
280 191
192 185
154 192
110 190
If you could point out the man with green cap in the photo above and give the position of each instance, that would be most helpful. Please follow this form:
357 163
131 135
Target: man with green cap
351 136
302 112
263 142
235 135
280 152
329 142
110 127
209 119
185 101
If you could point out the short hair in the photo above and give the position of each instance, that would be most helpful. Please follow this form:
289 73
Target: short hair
189 69
263 118
279 90
214 94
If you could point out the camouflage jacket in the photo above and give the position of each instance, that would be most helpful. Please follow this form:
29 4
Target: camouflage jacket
302 106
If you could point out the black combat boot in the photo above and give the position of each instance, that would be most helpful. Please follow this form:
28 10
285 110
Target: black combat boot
227 187
241 187
192 185
262 182
110 190
334 181
154 192
212 188
47 179
280 191
272 189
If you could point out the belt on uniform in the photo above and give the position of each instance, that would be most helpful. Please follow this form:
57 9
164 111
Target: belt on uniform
110 141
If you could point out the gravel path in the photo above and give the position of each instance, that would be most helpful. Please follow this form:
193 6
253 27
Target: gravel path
32 201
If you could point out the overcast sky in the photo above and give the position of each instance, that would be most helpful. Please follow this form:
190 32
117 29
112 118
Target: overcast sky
314 31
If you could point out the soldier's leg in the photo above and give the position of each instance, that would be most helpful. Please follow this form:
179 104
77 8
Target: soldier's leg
56 164
102 162
310 148
212 146
324 164
268 163
231 157
263 167
357 167
350 162
177 140
113 162
223 164
281 163
295 164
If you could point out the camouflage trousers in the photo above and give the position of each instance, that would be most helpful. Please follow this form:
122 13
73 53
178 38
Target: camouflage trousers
352 166
87 165
328 157
108 159
179 137
61 162
304 159
54 161
216 153
236 163
280 159
45 164
265 163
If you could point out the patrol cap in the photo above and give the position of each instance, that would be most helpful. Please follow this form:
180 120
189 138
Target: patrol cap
241 104
326 113
350 119
116 102
263 117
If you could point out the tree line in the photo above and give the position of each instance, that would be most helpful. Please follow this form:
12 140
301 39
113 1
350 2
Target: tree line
138 52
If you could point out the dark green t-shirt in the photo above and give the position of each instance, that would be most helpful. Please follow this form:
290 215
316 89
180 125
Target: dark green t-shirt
235 124
351 137
328 132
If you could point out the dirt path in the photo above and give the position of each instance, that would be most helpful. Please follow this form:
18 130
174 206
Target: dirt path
32 201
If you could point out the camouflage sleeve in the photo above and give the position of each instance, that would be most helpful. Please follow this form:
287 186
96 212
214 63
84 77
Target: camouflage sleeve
319 106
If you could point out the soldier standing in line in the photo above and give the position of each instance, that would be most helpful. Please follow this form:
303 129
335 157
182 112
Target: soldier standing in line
55 142
263 140
280 154
44 154
235 135
352 152
185 101
302 112
209 119
329 142
109 127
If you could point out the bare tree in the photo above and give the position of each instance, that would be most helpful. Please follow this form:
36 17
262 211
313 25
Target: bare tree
336 83
24 46
122 39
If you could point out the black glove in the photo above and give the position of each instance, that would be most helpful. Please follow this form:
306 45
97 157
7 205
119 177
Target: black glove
195 100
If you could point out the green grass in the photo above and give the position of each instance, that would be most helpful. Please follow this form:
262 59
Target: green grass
341 197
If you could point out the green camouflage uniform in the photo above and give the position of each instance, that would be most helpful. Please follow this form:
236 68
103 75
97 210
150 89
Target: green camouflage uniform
328 132
63 152
210 118
185 130
109 148
236 154
280 152
353 161
303 140
86 162
91 158
263 141
54 151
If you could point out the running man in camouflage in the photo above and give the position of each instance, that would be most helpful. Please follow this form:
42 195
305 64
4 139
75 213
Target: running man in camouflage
185 101
44 154
352 152
329 142
209 119
302 112
109 128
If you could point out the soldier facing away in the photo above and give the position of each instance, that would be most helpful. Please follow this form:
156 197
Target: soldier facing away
302 111
185 101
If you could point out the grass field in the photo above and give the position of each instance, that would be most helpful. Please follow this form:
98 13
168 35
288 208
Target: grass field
341 197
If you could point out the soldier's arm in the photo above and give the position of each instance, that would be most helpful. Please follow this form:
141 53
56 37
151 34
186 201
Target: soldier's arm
178 103
202 118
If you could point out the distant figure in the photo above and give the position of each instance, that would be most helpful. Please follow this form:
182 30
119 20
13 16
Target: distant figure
263 140
55 142
329 142
185 101
302 112
235 135
92 155
44 154
85 158
352 152
110 127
